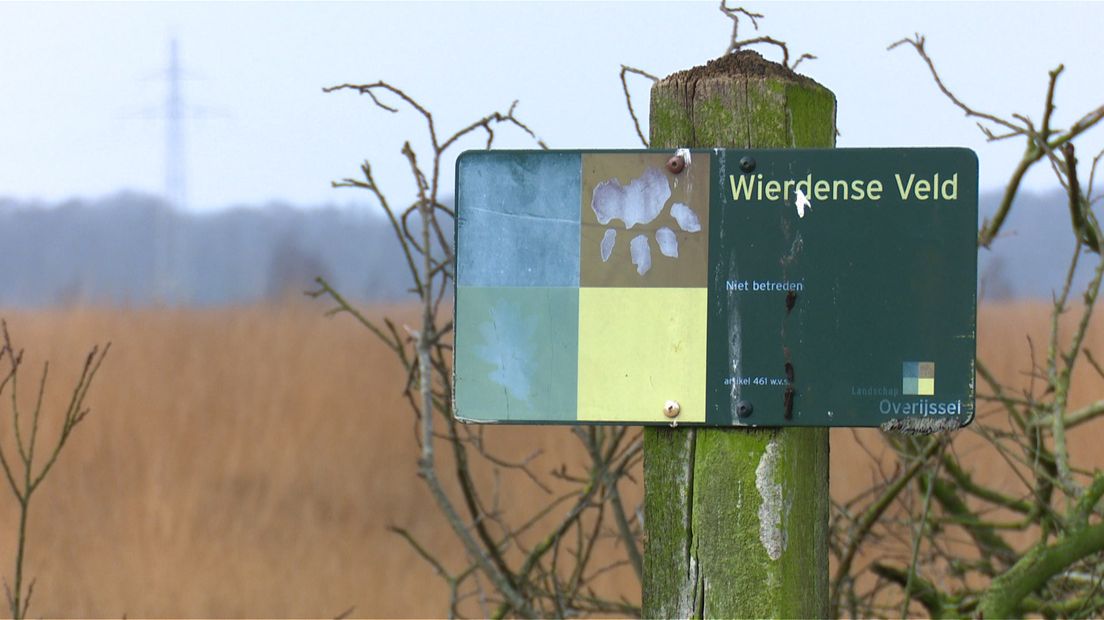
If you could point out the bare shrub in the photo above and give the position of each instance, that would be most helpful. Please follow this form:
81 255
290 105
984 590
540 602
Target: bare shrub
23 473
931 533
540 560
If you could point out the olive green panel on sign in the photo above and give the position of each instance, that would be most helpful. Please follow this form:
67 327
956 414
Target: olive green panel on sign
633 206
811 287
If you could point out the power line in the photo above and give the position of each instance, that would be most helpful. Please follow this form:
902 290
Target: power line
176 188
168 269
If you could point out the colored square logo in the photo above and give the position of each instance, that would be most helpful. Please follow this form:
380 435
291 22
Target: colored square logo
918 379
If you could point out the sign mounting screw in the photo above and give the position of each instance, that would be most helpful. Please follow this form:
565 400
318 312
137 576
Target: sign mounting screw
747 164
744 408
676 164
671 409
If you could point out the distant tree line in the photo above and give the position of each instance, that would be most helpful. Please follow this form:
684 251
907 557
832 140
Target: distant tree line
132 249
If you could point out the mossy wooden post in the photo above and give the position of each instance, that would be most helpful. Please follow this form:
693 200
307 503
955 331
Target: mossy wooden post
736 520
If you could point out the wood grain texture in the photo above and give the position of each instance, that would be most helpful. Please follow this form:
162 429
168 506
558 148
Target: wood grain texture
736 520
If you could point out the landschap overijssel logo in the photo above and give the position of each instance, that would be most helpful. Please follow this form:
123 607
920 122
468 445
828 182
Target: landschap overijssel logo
918 379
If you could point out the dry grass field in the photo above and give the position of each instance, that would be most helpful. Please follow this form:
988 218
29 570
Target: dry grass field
246 462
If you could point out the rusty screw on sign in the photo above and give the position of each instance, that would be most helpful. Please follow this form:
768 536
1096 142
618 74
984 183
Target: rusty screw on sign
676 164
671 409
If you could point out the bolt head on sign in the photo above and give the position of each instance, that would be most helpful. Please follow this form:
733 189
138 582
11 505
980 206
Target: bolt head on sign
813 287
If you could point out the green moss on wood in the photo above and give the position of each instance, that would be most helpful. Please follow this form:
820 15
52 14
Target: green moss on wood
754 112
669 122
716 120
704 544
1006 593
804 568
726 499
665 557
808 107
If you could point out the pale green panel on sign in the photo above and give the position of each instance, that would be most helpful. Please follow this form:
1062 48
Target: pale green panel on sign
517 354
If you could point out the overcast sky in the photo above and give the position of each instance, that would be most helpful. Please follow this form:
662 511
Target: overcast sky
81 93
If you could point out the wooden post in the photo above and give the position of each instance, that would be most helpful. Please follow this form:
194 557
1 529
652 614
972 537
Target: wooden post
736 520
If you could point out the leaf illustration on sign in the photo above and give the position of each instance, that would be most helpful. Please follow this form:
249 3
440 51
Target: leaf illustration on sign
507 344
686 218
641 254
668 243
608 240
640 202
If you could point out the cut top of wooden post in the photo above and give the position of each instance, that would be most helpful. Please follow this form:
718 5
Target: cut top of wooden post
711 105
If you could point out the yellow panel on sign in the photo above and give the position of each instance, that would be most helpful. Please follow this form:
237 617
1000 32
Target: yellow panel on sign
638 349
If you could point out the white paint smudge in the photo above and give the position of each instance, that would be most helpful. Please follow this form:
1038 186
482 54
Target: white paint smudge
771 509
668 244
795 250
639 202
641 253
802 203
735 346
686 218
608 240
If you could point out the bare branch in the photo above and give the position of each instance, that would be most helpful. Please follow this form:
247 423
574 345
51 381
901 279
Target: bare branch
735 44
917 43
734 14
24 482
625 70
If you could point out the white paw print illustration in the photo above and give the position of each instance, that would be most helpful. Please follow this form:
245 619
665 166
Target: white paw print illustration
641 202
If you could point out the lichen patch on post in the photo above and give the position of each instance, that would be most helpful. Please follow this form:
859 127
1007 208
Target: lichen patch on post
771 509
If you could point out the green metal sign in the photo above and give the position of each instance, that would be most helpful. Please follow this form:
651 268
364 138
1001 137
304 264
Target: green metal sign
726 287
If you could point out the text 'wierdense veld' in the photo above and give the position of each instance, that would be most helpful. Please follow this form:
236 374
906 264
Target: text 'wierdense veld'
832 287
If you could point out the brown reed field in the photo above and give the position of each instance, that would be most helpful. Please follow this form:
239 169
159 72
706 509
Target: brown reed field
246 461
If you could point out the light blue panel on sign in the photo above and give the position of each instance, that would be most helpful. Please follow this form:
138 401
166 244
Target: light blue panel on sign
517 352
518 219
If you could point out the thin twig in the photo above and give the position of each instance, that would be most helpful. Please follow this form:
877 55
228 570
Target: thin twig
625 70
